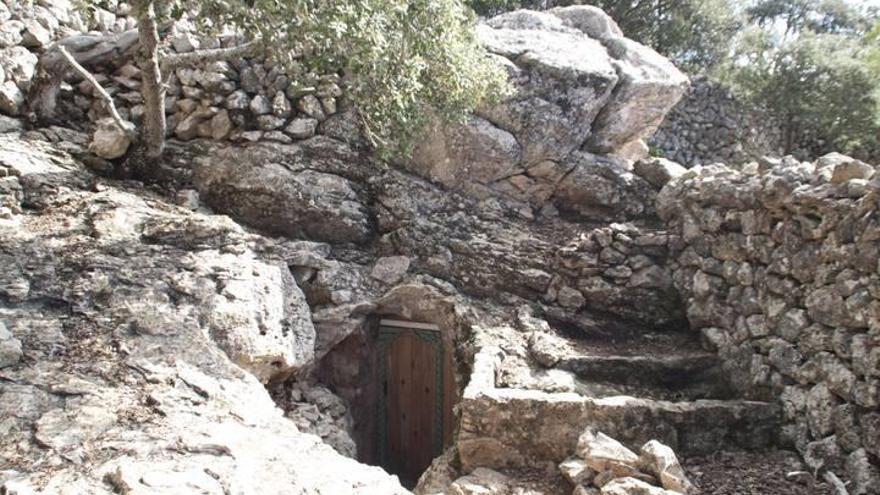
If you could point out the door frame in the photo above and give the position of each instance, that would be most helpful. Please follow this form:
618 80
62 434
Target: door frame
389 330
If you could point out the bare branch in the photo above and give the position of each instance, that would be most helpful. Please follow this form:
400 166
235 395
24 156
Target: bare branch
122 124
834 481
171 62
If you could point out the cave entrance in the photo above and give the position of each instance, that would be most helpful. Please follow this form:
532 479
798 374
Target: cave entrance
416 393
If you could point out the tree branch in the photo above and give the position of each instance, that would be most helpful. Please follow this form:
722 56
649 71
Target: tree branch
834 481
171 62
122 124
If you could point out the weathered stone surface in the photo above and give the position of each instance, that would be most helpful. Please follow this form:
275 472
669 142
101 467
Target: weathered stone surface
467 155
260 105
255 188
302 128
34 35
109 141
221 125
658 171
10 348
576 471
311 106
549 127
391 269
481 482
602 187
19 65
772 265
568 86
839 169
661 461
602 452
864 474
649 87
631 486
592 21
162 287
11 98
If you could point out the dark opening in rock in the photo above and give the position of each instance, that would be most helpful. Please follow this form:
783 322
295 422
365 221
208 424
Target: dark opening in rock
398 378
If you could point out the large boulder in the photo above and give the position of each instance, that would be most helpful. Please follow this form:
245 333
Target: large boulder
600 187
145 330
277 188
578 85
562 80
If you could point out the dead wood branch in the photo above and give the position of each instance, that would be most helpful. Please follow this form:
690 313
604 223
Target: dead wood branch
108 100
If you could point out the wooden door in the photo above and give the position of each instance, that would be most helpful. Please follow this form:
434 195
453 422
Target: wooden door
413 401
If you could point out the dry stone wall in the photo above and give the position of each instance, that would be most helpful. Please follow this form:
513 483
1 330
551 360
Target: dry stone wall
245 100
709 125
779 267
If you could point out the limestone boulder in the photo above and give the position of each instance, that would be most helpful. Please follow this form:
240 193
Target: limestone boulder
10 348
562 77
602 453
466 156
838 168
601 187
10 33
11 98
481 481
648 89
273 187
632 486
19 65
391 269
577 84
576 471
590 20
302 128
658 171
660 460
109 141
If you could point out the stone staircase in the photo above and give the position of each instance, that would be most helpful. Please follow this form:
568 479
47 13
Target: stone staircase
633 384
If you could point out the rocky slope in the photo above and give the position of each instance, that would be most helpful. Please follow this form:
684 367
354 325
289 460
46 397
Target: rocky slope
134 332
141 325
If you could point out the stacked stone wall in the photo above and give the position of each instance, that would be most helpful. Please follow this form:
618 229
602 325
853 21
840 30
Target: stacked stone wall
709 125
246 100
779 267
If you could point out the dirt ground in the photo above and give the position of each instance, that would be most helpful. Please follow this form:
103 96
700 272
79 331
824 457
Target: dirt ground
753 473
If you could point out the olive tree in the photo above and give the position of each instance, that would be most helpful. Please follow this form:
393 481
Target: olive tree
400 60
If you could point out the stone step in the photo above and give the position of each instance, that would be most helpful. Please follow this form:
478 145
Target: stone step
517 427
676 377
692 427
512 427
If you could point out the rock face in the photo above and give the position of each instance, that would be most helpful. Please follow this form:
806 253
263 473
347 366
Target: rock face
284 198
125 320
579 85
779 263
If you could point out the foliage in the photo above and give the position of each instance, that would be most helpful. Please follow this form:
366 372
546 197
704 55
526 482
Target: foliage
655 151
818 16
399 60
693 33
816 85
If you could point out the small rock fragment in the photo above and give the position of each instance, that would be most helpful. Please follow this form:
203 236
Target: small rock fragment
660 460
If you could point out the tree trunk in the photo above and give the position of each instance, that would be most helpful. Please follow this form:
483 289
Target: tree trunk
153 129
